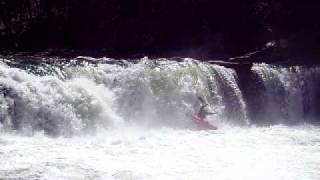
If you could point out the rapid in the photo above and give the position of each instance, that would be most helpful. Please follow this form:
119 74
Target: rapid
89 118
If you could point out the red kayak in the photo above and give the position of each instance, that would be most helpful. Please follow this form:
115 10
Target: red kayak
202 124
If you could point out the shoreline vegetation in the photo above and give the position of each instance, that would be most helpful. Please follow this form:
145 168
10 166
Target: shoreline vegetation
234 31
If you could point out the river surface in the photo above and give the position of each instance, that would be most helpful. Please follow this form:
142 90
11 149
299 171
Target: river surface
278 152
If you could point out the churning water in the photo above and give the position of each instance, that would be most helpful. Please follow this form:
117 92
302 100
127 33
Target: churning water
105 119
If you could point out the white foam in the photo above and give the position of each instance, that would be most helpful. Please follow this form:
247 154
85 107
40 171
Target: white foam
279 152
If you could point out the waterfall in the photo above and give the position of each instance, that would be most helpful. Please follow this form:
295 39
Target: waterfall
290 93
67 97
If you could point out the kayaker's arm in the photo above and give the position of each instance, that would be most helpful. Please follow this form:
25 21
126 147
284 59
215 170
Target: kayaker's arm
202 107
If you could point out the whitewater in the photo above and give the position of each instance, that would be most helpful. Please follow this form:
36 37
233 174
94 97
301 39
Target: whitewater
89 118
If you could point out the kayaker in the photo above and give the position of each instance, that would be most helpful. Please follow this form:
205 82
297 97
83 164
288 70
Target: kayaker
202 114
199 119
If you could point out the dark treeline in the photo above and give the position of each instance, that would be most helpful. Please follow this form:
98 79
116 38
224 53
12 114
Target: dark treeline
195 28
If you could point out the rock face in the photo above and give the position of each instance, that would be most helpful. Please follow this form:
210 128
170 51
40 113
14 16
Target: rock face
200 29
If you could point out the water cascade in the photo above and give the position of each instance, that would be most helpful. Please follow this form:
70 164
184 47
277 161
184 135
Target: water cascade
70 97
